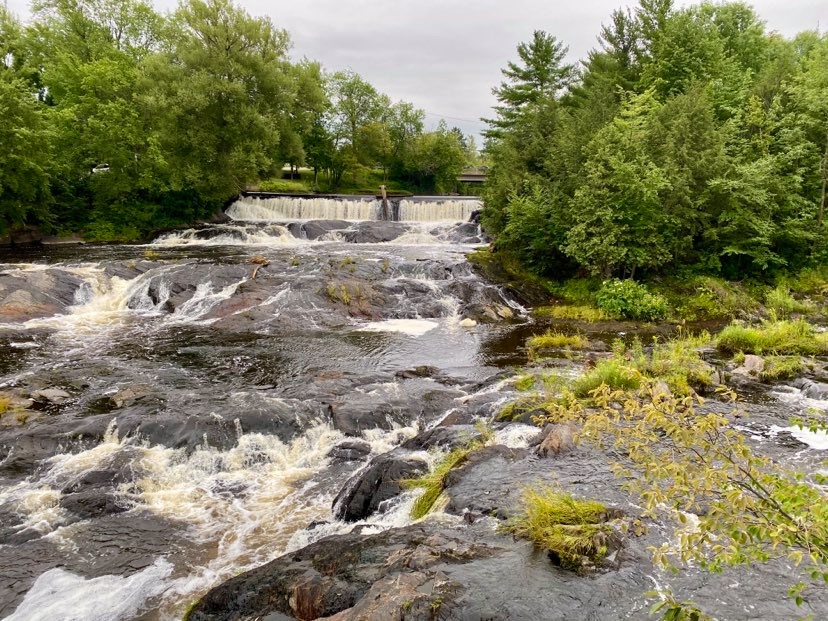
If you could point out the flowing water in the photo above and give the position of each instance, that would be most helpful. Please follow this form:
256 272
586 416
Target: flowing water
205 384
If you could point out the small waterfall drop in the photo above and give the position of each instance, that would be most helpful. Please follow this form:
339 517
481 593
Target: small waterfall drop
449 210
278 208
355 209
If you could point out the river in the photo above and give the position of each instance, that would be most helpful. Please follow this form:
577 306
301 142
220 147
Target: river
181 412
206 379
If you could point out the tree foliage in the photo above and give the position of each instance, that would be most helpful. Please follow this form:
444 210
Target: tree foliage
121 119
692 138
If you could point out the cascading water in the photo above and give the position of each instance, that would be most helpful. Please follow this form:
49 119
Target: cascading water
204 386
449 210
283 208
280 208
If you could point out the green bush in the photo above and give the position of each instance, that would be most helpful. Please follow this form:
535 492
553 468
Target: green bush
627 299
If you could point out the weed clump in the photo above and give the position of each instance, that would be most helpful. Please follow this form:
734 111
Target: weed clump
615 373
589 314
434 482
775 337
576 533
525 382
781 368
555 340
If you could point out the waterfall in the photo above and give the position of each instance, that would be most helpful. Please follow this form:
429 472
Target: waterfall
290 208
281 208
449 210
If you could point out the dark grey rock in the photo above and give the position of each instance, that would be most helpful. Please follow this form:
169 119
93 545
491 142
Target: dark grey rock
379 481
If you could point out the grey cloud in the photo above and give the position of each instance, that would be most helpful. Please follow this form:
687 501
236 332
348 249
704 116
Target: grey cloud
445 55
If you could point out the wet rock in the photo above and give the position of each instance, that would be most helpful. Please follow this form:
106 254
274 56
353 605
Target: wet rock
482 485
350 450
421 371
812 389
467 322
556 439
379 481
752 366
441 437
38 293
487 312
353 418
400 573
131 395
92 504
373 232
314 229
53 396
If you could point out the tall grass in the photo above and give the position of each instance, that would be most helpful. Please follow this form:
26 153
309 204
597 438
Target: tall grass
575 531
775 337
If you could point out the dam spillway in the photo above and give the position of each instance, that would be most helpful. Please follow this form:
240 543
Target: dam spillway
277 208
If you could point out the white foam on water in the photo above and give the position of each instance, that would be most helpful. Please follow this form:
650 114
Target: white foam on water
38 501
411 327
817 440
516 435
59 595
416 238
273 235
795 397
203 301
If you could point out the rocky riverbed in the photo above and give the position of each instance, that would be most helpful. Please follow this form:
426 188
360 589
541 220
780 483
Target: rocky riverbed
217 424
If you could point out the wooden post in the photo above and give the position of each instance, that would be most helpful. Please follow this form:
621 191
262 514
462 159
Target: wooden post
384 203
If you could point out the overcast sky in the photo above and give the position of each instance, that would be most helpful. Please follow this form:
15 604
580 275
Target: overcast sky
445 55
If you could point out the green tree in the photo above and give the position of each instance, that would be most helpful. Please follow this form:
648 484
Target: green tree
539 74
618 223
223 93
24 156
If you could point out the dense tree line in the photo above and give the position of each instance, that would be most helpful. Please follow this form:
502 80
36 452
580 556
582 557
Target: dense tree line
117 119
692 139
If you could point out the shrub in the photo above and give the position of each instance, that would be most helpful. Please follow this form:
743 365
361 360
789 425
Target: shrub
811 281
777 337
575 531
627 299
679 364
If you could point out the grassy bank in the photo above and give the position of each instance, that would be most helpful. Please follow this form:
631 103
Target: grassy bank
694 298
